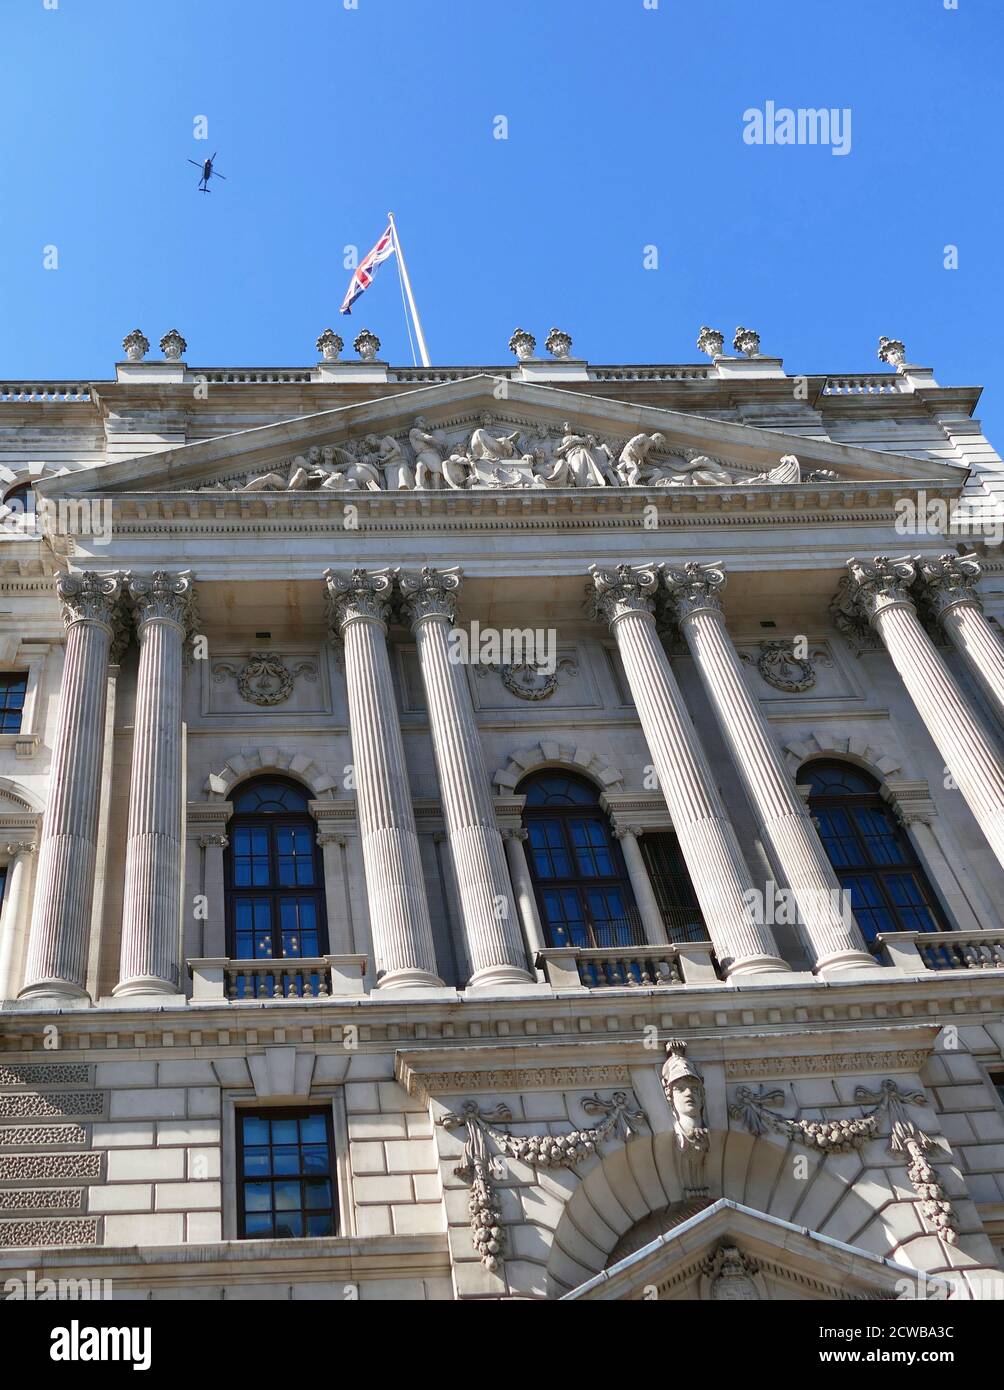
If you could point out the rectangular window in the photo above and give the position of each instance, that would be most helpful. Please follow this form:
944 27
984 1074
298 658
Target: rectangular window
286 1174
13 688
671 883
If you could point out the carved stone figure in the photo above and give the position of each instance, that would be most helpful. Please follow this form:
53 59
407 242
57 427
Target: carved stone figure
589 464
488 447
347 473
789 470
397 470
429 447
730 1274
699 472
684 1089
634 455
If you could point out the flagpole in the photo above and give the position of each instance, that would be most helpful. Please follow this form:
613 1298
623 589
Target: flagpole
423 350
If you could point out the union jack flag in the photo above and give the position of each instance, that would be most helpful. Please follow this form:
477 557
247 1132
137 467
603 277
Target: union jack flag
362 276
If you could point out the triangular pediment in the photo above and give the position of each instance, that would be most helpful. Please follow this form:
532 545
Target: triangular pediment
733 1252
490 432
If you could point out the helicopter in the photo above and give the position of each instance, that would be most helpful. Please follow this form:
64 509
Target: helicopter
208 172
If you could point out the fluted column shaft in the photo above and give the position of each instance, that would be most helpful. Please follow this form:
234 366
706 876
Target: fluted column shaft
782 817
721 878
18 868
399 911
949 589
151 906
57 941
641 885
522 887
882 588
491 925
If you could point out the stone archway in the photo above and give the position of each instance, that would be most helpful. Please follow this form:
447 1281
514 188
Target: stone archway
250 763
821 743
550 753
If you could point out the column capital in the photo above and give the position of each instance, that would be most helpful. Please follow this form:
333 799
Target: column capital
21 847
359 595
621 832
514 832
694 588
162 596
430 593
92 598
870 588
219 841
947 581
619 590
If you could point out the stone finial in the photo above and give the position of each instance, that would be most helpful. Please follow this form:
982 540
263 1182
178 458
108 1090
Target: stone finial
891 351
523 344
329 345
367 345
136 345
710 341
747 341
173 346
558 344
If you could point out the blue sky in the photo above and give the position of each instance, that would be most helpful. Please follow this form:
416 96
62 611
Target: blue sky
624 131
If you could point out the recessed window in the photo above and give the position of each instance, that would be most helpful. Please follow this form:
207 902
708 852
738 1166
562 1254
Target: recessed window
673 887
13 688
583 890
286 1174
871 855
274 881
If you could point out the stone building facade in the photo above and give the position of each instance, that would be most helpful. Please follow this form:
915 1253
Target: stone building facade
528 831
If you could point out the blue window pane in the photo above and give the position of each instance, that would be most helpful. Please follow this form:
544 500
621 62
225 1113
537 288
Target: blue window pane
287 1196
315 1158
313 1130
318 1225
285 1159
255 1130
289 1226
879 836
284 1132
258 1223
317 1193
257 1196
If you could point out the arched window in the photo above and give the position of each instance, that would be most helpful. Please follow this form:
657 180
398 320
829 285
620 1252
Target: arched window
274 884
21 499
583 892
871 854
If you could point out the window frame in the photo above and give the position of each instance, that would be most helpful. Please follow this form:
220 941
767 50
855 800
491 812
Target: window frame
274 891
579 882
321 1107
909 863
7 680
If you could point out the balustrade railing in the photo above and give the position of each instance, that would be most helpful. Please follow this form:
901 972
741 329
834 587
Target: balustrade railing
946 950
17 391
629 967
219 979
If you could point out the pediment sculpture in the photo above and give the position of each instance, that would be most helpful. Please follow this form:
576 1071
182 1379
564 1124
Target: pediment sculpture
427 459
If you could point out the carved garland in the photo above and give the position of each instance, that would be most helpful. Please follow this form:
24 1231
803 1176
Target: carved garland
841 1136
478 1165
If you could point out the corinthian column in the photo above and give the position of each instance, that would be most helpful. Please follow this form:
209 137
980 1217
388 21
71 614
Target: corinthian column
151 908
491 925
948 588
881 589
358 606
57 942
624 596
783 819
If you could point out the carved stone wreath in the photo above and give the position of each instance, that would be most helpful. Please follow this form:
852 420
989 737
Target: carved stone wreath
528 681
265 679
782 669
